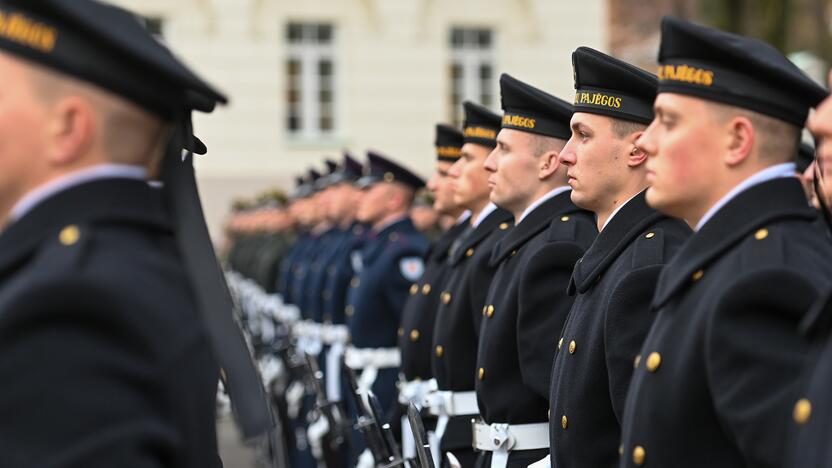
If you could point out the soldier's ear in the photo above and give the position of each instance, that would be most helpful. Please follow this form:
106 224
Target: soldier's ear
548 164
71 130
636 156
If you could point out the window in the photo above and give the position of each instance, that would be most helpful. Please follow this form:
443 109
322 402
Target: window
471 70
310 80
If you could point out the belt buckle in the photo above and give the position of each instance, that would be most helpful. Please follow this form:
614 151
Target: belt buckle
500 436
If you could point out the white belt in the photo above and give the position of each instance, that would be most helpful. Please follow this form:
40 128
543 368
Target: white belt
369 361
444 403
415 391
331 334
379 358
500 439
308 334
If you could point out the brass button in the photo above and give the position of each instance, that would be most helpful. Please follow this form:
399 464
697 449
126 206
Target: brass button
564 422
802 411
414 288
503 226
698 275
654 361
414 335
355 282
349 310
389 177
620 450
513 253
469 252
560 343
69 235
490 311
425 289
572 347
482 373
638 455
761 234
650 235
393 237
440 351
484 308
636 361
400 331
564 218
446 298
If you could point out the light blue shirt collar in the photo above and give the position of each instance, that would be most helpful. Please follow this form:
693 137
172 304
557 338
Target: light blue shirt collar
54 187
770 173
551 194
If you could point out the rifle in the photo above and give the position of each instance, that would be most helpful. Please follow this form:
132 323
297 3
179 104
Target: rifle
368 424
419 434
336 435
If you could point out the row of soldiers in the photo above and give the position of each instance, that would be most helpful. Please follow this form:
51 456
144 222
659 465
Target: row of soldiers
636 278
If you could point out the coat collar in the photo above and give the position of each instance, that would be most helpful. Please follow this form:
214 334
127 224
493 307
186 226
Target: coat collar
752 209
121 200
626 225
377 241
495 220
534 223
439 250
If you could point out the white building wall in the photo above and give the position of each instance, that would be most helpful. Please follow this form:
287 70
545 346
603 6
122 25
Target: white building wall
392 84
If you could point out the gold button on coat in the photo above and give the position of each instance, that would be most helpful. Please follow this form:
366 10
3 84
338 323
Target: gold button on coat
503 226
414 335
572 347
469 252
426 289
355 282
639 455
564 422
564 218
560 343
400 331
446 298
650 235
482 373
654 361
636 361
698 275
440 351
802 411
349 310
761 234
414 288
490 311
69 235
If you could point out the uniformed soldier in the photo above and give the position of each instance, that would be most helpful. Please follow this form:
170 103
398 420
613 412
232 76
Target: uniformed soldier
718 376
463 294
526 302
614 281
298 204
101 327
419 313
811 414
385 268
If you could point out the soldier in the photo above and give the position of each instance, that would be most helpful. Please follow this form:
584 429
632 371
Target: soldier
526 302
717 378
463 294
385 268
418 316
101 324
615 279
811 416
299 208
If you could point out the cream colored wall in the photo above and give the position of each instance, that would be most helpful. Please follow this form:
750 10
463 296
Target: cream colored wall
392 87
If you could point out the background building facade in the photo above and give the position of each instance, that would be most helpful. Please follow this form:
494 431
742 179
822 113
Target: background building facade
311 78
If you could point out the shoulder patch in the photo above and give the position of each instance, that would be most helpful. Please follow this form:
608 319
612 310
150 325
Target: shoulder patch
412 268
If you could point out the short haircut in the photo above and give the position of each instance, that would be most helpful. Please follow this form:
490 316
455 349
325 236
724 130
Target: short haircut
542 144
777 141
623 128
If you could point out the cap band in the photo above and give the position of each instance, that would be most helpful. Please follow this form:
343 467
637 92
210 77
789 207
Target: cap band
530 123
613 104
